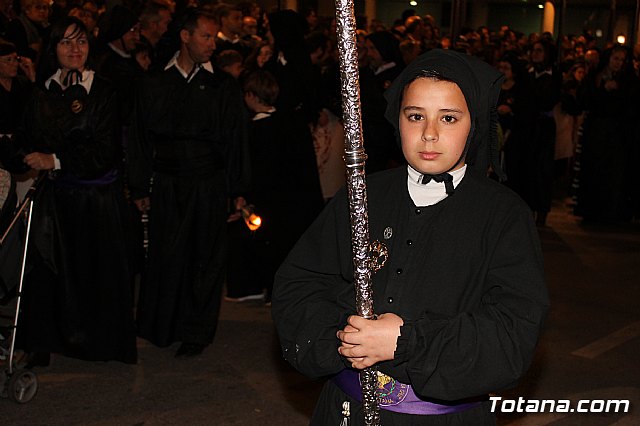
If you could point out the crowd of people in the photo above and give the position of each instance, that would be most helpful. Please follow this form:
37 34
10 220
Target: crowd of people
191 112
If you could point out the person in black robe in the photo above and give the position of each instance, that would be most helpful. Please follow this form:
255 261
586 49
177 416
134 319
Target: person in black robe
77 294
285 191
385 65
608 180
514 118
119 34
190 138
291 65
545 84
15 92
461 298
15 89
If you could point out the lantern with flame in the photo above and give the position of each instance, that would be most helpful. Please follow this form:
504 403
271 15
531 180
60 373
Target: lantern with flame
252 220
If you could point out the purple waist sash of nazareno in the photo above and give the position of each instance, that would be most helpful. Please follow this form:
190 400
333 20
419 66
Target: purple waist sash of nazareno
399 397
73 181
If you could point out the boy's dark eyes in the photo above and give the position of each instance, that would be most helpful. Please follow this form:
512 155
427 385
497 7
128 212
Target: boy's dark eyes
449 119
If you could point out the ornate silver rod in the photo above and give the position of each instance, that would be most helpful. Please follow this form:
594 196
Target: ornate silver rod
355 158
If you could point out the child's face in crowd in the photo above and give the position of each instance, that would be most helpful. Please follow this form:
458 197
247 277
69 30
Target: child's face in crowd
234 69
434 125
264 56
505 68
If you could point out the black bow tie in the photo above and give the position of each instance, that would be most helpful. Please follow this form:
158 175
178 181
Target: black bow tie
73 77
441 177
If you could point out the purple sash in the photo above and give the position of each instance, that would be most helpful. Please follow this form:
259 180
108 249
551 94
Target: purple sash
396 396
72 181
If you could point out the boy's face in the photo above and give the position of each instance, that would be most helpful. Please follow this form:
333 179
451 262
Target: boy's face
252 101
234 69
434 125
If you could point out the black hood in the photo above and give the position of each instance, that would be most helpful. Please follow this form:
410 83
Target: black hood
480 84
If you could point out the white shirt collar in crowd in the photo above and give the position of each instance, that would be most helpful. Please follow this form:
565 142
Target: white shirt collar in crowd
261 115
174 63
119 51
87 79
234 40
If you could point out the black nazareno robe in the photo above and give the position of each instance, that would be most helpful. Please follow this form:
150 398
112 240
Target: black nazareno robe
464 274
77 292
191 138
287 195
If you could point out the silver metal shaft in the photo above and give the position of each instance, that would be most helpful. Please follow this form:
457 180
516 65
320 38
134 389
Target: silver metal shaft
355 158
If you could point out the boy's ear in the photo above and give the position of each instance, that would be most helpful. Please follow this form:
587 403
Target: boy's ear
250 97
184 35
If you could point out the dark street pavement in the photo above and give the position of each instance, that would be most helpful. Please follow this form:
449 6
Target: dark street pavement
589 350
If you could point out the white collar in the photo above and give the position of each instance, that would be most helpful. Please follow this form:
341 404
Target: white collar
261 115
432 192
222 36
87 79
119 51
541 73
384 67
282 59
174 63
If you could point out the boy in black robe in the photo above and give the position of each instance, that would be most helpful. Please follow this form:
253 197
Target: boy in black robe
461 297
190 136
285 190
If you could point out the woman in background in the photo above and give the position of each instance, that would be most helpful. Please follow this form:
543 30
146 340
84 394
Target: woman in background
77 300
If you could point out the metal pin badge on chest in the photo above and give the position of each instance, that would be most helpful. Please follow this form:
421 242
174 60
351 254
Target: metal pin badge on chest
76 106
202 87
388 233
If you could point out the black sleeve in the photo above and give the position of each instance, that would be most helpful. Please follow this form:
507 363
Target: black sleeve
12 155
139 149
235 128
309 295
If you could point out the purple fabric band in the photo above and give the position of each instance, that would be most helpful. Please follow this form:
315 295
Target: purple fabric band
396 396
72 181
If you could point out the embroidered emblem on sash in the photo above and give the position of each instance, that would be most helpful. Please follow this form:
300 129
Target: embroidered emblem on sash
388 233
390 391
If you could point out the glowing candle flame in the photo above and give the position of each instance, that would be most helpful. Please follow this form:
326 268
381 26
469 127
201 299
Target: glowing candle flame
252 220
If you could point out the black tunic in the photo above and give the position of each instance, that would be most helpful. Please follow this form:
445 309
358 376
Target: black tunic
516 128
125 74
77 297
191 138
13 103
465 275
545 94
610 150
